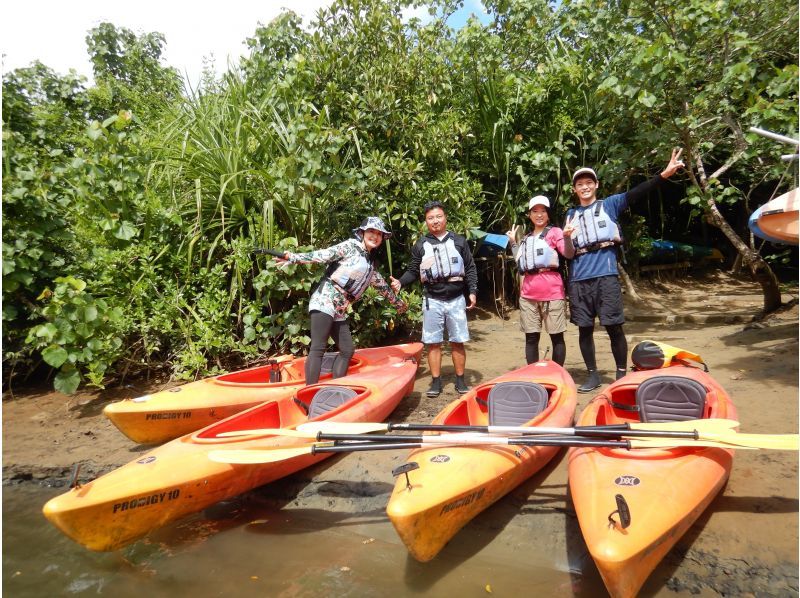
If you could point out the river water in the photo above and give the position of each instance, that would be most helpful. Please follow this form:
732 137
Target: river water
245 548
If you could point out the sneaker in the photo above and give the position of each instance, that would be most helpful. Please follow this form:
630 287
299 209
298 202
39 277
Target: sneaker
436 387
461 386
621 373
592 382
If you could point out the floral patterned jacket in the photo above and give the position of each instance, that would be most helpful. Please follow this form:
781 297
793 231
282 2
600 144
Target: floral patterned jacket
329 297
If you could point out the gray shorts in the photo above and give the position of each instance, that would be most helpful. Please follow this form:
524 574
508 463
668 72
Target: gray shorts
438 315
535 316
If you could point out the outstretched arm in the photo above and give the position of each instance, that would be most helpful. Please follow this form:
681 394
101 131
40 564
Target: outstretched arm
383 288
674 165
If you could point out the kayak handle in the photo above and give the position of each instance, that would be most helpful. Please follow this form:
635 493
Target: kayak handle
623 511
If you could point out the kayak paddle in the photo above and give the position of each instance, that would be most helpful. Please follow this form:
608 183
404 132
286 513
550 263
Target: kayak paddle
732 440
272 252
267 455
694 432
678 429
683 429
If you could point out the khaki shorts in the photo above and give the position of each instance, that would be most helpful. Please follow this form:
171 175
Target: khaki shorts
550 315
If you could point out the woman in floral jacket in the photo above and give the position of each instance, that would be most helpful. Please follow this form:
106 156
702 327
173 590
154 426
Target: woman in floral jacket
351 270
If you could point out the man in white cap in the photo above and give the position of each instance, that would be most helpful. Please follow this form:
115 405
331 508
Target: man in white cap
594 289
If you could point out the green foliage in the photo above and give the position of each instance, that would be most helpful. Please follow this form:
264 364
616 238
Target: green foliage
79 330
131 210
128 72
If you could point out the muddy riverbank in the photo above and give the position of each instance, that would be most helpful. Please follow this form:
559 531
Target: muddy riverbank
746 543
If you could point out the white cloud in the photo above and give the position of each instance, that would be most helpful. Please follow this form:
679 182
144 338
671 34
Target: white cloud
54 31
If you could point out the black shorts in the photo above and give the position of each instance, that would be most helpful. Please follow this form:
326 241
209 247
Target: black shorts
596 297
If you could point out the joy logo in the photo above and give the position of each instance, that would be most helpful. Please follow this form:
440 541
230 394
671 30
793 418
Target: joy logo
144 460
627 480
440 459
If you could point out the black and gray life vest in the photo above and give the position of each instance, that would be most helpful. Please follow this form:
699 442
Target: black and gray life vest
441 262
534 254
352 275
594 229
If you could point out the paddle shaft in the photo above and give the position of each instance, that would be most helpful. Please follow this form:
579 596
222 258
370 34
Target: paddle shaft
612 431
273 252
467 439
734 440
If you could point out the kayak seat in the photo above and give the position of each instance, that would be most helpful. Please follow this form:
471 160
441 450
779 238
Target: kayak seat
329 398
670 399
327 362
516 403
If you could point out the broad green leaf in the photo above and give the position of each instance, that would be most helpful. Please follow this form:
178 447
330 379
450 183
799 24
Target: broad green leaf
67 381
125 231
55 355
90 313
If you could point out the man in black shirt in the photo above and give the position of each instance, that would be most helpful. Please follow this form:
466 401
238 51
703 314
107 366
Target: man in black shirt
442 261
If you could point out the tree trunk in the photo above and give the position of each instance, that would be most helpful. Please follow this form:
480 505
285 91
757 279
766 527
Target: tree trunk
737 264
759 268
629 288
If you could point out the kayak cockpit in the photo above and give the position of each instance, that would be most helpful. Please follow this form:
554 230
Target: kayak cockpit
657 399
315 402
278 371
479 408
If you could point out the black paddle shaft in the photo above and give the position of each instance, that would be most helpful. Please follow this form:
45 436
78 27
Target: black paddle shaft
273 252
379 442
610 431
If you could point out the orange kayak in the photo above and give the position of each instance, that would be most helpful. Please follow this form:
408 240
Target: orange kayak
162 416
778 218
178 478
454 483
663 491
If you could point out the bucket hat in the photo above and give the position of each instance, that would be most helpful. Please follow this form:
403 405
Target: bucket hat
372 222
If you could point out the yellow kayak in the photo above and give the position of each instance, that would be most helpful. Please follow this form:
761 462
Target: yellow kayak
178 478
449 485
162 416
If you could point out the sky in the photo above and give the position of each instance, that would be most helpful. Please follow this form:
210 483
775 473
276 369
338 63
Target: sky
54 31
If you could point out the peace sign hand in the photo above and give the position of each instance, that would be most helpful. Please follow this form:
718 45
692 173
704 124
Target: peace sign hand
675 163
512 234
569 228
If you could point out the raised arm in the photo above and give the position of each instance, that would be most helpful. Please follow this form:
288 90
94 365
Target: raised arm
642 189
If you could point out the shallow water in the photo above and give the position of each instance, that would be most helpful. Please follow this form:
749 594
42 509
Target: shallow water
246 548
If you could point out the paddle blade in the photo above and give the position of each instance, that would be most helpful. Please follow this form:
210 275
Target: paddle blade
670 443
267 432
778 442
330 427
703 426
258 456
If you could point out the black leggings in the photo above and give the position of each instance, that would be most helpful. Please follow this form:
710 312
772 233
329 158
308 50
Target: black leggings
619 346
323 327
532 347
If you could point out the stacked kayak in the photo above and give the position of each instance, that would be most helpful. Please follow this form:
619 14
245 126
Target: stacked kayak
165 415
670 252
452 484
633 506
776 221
178 478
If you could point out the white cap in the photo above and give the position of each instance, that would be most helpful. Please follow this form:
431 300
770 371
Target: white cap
584 171
539 200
